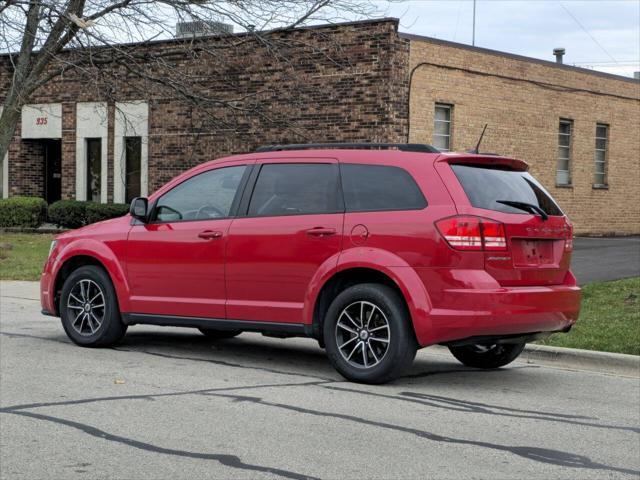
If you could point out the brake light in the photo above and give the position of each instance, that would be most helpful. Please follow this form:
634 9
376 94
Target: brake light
473 233
568 242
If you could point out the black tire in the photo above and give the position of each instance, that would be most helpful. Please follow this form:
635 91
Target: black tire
111 329
401 344
487 356
219 334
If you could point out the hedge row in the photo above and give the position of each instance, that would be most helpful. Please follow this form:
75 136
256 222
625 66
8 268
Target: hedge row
30 212
26 212
75 214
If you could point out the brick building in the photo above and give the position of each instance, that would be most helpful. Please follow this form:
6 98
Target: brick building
363 81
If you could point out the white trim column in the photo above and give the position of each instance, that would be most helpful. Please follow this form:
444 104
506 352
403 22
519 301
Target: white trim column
131 120
91 122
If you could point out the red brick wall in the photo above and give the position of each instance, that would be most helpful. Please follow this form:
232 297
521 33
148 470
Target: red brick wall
26 171
68 150
339 83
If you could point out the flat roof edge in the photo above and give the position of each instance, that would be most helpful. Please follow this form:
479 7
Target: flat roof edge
319 26
515 56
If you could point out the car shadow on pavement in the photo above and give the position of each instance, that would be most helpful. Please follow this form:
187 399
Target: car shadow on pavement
303 357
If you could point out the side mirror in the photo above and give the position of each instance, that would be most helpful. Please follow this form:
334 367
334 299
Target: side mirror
138 208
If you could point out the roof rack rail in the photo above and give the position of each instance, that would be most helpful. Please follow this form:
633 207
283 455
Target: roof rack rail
405 147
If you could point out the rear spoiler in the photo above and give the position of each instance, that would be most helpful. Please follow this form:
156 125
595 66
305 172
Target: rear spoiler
484 160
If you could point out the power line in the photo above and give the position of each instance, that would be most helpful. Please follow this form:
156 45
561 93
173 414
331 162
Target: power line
587 32
605 62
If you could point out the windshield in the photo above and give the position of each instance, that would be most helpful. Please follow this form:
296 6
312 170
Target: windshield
485 187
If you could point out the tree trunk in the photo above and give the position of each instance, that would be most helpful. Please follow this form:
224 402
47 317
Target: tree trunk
21 86
8 122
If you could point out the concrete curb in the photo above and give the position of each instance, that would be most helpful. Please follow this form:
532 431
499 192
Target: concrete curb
570 358
573 358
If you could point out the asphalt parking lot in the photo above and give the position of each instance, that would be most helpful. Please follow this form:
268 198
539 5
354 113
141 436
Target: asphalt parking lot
168 403
604 259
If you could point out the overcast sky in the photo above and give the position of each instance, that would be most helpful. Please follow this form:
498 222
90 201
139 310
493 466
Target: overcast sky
534 27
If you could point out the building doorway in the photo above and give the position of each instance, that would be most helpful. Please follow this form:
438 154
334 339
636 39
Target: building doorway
52 170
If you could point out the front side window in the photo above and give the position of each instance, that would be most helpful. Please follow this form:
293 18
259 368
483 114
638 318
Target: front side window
600 170
296 189
133 156
378 187
94 168
442 127
563 170
206 196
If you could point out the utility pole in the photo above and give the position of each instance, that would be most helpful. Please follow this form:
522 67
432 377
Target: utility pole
473 38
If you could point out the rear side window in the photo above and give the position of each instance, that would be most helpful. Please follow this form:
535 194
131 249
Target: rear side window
296 189
485 186
369 188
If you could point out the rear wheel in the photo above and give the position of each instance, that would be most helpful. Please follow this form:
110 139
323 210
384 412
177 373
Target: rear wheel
368 334
219 334
487 355
89 308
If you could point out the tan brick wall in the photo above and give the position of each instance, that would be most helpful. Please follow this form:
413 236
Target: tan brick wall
523 122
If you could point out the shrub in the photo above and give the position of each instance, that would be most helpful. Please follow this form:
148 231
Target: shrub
68 213
23 212
96 212
75 213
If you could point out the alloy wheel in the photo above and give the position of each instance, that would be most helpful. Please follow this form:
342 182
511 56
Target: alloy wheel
86 304
362 334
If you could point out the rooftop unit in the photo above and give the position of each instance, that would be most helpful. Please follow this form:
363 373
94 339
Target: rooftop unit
201 28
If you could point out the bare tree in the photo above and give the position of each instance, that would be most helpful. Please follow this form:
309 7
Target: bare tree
45 39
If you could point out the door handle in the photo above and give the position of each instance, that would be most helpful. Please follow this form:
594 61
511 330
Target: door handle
209 234
321 232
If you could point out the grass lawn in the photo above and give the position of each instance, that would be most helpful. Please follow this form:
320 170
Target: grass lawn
609 319
22 255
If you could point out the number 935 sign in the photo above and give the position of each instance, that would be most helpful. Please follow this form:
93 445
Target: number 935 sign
42 121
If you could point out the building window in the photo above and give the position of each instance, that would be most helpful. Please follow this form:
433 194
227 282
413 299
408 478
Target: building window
133 155
600 171
94 168
563 171
442 127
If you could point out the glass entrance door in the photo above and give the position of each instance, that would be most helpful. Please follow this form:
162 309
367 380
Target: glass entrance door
53 170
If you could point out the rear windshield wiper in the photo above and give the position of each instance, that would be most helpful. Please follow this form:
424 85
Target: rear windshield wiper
528 207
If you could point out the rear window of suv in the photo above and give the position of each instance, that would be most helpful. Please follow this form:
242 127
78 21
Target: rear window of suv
485 186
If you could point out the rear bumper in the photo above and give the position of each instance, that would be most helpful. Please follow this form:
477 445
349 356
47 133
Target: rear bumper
461 313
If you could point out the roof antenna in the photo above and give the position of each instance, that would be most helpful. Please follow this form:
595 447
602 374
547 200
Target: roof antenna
477 149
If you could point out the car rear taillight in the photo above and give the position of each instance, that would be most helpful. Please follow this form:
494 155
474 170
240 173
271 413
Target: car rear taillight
473 233
568 242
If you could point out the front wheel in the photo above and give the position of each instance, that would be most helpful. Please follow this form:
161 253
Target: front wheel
487 355
89 308
368 334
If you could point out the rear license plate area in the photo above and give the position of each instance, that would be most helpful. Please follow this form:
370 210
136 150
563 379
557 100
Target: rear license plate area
532 253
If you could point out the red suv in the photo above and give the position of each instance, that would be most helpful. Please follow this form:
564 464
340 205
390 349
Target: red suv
375 250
